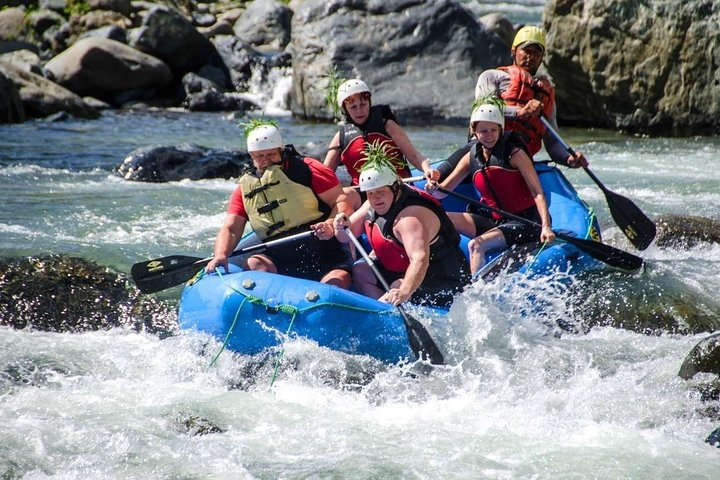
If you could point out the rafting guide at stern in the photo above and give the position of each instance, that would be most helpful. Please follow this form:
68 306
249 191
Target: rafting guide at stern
413 240
528 95
367 123
286 193
529 99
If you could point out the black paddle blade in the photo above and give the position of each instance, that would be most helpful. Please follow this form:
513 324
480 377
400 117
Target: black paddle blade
421 343
605 253
161 273
636 226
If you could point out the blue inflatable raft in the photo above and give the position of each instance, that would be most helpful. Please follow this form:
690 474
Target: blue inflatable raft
253 311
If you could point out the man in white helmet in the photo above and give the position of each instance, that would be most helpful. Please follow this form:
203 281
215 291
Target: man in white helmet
284 194
412 238
501 169
527 95
365 124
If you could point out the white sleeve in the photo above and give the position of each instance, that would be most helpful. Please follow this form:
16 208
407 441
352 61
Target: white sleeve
491 82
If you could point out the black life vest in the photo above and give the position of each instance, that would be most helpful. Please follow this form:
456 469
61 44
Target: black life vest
388 249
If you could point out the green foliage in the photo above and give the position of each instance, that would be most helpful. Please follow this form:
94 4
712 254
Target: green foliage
489 100
334 82
77 7
376 157
255 123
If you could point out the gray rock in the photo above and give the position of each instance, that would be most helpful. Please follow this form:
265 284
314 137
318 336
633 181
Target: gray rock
12 25
498 24
705 357
41 97
685 231
651 304
24 59
648 66
54 5
68 294
11 46
11 107
120 6
169 36
203 94
422 58
169 163
265 23
214 101
101 68
111 32
43 19
239 57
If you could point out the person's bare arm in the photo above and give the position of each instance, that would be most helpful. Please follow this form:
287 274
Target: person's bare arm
227 239
522 162
332 158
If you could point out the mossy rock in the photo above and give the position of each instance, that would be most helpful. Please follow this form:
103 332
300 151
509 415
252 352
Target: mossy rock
61 293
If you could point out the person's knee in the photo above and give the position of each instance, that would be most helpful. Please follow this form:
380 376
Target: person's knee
262 264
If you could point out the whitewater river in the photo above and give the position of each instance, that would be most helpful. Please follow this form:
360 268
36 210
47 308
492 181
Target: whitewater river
517 401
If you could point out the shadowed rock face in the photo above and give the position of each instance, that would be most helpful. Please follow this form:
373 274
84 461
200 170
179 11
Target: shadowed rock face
174 163
705 357
649 66
654 304
68 294
422 58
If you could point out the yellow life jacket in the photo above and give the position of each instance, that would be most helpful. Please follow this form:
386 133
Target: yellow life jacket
276 204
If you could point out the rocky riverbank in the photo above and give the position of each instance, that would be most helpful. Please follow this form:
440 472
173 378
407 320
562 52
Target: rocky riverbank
641 68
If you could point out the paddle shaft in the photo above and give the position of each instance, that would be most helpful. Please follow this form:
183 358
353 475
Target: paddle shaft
420 340
263 246
161 273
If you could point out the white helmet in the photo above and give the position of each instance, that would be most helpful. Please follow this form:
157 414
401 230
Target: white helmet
376 177
264 137
349 88
487 113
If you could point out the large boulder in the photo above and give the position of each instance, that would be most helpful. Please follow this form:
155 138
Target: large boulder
686 231
11 107
705 358
174 163
41 97
422 58
265 22
169 36
13 26
61 293
648 66
101 68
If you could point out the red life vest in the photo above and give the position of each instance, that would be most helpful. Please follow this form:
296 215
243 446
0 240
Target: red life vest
501 185
354 139
523 88
390 252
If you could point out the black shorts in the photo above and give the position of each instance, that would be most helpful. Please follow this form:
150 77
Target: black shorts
514 231
310 258
443 280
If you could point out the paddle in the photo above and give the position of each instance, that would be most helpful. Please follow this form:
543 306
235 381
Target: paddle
605 253
636 226
161 273
421 343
